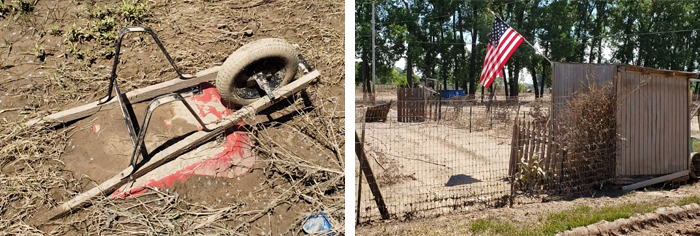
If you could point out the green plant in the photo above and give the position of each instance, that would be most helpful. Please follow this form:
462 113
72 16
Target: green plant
24 6
107 52
99 13
55 31
75 34
72 48
133 12
104 30
529 172
39 51
5 9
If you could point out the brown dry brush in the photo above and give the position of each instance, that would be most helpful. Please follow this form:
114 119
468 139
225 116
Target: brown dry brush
586 129
31 175
318 177
32 179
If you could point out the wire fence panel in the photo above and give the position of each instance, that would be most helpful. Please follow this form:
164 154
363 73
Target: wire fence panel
455 159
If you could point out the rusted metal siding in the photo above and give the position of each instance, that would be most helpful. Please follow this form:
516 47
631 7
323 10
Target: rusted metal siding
652 117
653 123
569 77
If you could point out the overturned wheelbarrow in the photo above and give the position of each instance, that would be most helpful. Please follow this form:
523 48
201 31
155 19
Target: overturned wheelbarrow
253 78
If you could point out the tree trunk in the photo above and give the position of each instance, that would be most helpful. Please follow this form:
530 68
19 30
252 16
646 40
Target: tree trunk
409 67
505 81
544 67
533 72
366 84
514 81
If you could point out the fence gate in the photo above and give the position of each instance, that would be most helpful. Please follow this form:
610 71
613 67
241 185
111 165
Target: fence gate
411 104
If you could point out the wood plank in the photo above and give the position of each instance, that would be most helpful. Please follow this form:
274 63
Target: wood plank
371 181
513 149
175 150
134 96
655 180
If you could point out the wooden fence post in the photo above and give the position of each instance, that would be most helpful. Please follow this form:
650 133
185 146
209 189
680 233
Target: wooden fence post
364 166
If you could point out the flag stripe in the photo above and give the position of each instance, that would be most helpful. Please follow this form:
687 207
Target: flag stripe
504 53
506 41
504 58
503 42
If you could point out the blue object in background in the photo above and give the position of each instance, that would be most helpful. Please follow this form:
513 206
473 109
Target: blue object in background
318 224
447 94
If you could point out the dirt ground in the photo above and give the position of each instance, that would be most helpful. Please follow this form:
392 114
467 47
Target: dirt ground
528 214
429 168
56 55
687 227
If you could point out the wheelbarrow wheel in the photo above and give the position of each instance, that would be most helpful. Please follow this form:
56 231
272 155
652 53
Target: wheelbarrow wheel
275 58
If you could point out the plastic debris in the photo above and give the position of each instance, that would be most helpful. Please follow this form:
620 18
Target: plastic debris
318 224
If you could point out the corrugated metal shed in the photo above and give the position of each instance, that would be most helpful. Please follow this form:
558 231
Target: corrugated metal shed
652 118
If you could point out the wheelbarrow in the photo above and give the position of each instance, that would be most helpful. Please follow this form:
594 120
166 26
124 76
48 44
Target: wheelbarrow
254 77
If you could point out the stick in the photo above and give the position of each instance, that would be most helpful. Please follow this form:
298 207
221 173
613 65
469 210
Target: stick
175 150
137 95
524 39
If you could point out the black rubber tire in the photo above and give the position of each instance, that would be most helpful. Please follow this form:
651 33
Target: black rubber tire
232 81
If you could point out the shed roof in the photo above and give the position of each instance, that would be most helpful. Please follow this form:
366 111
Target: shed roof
669 73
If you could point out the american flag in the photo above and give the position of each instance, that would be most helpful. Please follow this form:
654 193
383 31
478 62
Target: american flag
502 43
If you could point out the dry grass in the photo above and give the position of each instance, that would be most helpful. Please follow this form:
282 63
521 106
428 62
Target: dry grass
587 129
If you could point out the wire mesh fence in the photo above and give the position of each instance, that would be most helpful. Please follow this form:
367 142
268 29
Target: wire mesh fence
430 155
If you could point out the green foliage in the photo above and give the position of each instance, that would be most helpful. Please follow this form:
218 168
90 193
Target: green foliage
55 31
5 10
133 12
104 30
689 200
435 34
39 51
75 34
23 6
529 172
17 6
582 215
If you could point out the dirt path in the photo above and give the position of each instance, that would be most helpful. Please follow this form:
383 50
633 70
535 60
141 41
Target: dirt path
430 167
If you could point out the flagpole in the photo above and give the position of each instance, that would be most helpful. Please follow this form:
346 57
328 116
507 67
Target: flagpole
524 39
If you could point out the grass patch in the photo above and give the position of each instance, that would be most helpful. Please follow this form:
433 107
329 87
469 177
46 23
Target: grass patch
689 200
102 28
572 218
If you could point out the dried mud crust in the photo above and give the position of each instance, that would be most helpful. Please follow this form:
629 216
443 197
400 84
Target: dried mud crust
291 178
646 224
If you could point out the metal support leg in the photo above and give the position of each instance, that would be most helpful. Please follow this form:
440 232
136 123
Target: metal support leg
149 111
